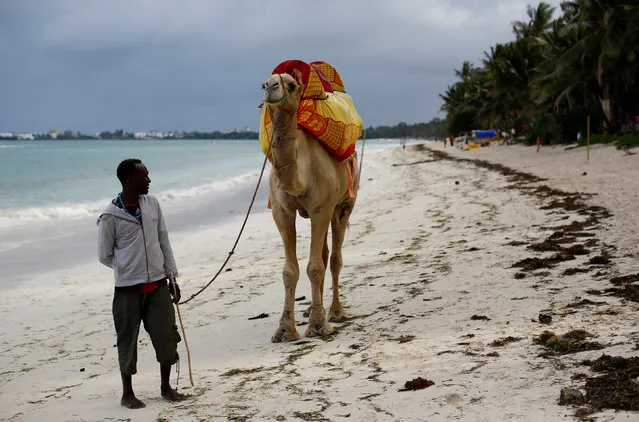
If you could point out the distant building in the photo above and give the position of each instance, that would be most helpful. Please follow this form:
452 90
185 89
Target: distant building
236 130
54 133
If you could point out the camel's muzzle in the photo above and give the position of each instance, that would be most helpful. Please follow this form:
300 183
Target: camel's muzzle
272 96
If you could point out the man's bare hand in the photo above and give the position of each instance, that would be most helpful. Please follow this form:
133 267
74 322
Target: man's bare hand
175 292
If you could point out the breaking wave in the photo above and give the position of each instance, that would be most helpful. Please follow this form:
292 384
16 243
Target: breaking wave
168 197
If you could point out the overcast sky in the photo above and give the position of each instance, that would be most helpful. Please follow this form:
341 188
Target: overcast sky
198 64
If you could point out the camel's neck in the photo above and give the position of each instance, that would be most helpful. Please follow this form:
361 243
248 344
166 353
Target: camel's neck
284 149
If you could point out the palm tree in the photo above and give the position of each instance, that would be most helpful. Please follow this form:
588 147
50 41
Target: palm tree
540 21
466 72
558 82
585 62
463 99
605 48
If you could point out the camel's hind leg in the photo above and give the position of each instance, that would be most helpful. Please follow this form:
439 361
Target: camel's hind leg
316 269
285 222
339 223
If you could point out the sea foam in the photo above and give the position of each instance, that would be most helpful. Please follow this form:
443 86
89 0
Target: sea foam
168 198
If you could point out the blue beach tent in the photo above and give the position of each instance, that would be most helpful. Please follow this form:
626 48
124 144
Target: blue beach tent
490 133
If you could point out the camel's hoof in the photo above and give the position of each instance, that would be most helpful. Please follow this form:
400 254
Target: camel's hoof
318 330
339 316
284 334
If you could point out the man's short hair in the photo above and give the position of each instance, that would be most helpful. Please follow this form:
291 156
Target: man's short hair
126 168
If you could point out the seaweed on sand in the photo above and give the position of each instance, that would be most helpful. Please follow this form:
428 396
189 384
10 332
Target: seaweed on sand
570 342
616 388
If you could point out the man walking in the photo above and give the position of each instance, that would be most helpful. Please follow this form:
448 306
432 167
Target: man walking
134 242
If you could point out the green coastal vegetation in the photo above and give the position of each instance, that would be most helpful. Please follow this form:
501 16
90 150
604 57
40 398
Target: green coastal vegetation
555 74
121 134
436 128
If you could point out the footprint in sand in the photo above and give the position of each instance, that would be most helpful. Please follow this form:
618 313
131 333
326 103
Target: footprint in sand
453 399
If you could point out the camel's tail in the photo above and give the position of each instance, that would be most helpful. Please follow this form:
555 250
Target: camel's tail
355 170
344 210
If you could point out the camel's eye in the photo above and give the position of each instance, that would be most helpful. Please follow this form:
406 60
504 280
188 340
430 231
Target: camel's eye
292 86
263 86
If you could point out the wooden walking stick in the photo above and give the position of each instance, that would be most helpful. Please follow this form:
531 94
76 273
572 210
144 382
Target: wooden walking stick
186 343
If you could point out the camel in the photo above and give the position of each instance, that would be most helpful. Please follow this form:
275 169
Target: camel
306 179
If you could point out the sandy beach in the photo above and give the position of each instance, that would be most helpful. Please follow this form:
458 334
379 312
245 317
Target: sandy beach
450 259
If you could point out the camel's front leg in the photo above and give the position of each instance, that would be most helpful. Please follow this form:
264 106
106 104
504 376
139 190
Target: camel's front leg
325 252
317 325
285 222
325 260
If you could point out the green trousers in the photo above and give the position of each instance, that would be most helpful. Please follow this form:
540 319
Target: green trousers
156 311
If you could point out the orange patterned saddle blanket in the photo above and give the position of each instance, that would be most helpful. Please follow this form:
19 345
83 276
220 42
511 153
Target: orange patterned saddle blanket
326 111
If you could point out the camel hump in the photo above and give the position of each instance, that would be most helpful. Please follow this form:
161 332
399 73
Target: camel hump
316 84
331 75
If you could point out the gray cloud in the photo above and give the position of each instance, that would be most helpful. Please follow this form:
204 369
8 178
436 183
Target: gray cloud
198 64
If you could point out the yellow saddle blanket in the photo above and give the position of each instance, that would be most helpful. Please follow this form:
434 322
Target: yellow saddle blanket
326 111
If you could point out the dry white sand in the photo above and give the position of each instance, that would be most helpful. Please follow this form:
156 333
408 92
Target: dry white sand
423 255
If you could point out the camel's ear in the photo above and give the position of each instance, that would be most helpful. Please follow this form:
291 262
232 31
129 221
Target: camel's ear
297 75
292 86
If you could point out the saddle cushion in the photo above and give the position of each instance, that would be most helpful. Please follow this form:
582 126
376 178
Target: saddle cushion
326 111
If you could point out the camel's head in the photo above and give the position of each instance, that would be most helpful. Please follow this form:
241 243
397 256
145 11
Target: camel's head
282 90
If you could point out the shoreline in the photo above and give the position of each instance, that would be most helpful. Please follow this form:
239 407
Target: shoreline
421 261
34 247
67 243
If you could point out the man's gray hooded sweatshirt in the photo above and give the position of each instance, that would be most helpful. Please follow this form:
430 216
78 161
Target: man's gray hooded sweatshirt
141 251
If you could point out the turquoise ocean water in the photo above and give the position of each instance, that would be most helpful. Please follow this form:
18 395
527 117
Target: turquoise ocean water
67 179
51 192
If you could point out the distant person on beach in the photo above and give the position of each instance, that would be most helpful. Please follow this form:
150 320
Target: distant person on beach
538 143
133 240
578 136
